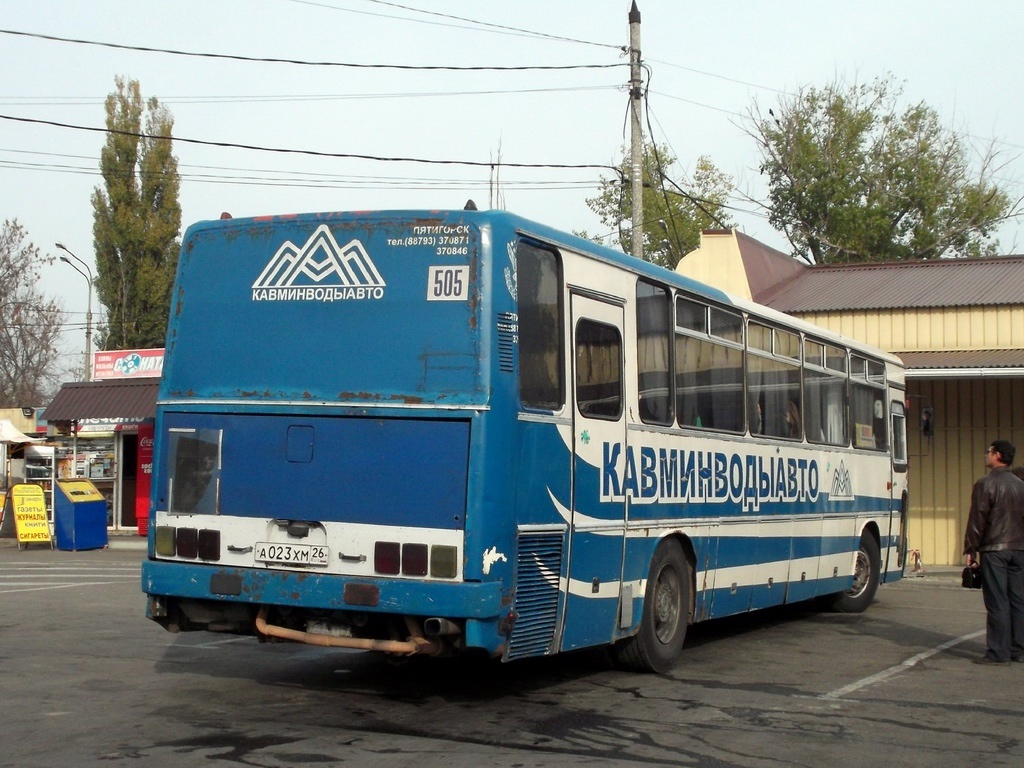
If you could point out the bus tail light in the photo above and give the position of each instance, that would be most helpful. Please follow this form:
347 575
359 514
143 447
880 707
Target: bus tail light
440 561
209 544
414 559
187 543
203 544
387 557
165 537
444 561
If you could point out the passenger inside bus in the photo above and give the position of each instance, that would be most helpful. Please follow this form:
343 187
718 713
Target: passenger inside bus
793 418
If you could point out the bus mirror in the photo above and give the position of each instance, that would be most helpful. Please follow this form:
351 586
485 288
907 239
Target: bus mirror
927 421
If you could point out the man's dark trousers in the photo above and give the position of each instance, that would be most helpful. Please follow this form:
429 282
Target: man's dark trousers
1002 583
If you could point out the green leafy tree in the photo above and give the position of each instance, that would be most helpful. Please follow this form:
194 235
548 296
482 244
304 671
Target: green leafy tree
136 221
674 213
30 324
853 178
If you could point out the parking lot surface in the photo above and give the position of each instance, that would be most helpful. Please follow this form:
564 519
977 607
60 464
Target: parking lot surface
86 680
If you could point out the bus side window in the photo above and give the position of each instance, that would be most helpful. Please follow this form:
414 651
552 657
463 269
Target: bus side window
653 353
773 381
541 362
825 393
899 434
867 404
708 367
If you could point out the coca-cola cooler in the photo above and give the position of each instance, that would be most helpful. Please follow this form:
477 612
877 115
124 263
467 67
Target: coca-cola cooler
143 477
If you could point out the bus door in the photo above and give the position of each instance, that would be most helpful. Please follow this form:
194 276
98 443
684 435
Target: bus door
599 473
894 554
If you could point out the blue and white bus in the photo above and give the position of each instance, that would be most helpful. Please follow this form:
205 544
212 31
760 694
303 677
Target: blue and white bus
429 432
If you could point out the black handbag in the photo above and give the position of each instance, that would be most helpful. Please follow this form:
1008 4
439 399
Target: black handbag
971 578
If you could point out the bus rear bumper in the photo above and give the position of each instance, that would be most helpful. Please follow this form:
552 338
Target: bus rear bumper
320 591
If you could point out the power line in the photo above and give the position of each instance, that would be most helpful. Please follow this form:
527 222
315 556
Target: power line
341 182
723 205
704 205
501 28
697 103
275 173
705 73
305 63
306 152
73 101
298 179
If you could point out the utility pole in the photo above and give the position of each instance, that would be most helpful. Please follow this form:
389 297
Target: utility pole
636 134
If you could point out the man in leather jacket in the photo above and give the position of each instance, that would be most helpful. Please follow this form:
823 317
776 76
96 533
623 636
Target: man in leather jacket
995 535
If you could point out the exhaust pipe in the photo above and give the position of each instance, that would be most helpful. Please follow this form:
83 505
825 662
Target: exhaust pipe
436 627
416 644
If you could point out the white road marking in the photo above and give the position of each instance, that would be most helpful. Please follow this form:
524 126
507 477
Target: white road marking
59 586
215 644
838 693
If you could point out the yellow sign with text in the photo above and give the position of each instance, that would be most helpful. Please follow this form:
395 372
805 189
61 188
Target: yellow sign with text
28 503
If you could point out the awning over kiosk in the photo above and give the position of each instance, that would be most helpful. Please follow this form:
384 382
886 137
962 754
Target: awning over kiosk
11 434
133 399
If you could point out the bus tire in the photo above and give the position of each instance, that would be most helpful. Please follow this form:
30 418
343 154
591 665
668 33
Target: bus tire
866 573
659 640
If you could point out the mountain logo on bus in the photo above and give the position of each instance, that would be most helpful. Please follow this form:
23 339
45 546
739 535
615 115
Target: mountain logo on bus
319 270
842 484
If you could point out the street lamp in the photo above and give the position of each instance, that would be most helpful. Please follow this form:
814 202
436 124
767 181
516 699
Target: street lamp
88 314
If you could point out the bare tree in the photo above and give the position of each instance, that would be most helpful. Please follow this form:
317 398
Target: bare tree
30 324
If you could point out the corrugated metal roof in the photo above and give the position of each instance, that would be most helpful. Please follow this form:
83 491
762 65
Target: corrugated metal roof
964 358
118 399
912 284
767 269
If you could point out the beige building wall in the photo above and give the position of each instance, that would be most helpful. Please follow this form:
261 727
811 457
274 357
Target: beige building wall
969 413
718 262
26 424
925 330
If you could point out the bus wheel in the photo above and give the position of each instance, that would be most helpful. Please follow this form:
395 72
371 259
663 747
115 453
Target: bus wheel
865 578
659 640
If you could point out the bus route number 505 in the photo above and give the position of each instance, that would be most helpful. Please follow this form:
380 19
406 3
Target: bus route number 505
447 283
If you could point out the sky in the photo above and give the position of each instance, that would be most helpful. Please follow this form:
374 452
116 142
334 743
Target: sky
706 65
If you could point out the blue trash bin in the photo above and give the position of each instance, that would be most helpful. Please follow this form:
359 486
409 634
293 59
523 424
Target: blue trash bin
79 516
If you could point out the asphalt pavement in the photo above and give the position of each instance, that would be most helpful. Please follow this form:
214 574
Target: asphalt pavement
114 541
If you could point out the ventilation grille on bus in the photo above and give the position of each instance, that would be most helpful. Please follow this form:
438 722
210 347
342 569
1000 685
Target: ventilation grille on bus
538 565
508 327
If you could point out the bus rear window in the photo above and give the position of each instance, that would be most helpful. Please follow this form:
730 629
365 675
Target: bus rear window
195 465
